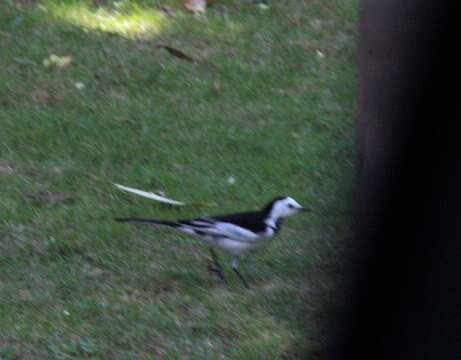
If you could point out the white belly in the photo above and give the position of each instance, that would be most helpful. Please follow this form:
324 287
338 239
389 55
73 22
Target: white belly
234 247
237 247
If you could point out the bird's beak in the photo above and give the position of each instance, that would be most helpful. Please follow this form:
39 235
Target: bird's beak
307 210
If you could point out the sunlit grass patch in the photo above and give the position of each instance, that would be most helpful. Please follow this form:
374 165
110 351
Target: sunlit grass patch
129 21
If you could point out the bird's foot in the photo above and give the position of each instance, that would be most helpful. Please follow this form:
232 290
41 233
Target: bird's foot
216 271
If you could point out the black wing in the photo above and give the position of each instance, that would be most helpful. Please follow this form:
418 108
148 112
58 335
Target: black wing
253 221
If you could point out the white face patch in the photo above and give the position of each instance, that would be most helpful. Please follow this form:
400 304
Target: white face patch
285 207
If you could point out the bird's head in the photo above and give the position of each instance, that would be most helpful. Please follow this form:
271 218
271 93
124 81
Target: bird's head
282 207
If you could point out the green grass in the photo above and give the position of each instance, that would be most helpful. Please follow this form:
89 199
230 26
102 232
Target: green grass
269 101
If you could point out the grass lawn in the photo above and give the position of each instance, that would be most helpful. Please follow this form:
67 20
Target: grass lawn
266 108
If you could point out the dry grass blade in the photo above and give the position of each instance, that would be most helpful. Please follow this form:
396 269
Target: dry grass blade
163 199
149 195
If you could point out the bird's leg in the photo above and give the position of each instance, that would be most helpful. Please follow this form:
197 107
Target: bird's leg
217 269
235 263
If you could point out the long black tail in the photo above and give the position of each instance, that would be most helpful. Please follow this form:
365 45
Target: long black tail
149 221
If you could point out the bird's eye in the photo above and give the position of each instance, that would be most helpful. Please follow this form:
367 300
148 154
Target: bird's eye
291 206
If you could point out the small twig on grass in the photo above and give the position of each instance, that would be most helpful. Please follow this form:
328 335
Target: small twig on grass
175 52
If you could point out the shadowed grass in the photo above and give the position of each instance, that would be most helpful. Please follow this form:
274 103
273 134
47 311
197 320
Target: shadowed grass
268 101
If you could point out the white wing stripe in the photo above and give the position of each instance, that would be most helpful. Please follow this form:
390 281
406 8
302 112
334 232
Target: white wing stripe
226 230
202 223
236 232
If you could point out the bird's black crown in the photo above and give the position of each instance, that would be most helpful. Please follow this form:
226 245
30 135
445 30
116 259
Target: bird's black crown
267 209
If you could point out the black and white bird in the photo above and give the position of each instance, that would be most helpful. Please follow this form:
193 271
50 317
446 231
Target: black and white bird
234 233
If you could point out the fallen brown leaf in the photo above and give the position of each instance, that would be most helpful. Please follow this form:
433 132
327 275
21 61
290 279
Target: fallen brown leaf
196 6
45 97
42 96
5 169
168 11
118 96
49 196
216 87
175 52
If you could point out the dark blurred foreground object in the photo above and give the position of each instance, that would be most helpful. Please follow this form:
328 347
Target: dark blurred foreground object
405 271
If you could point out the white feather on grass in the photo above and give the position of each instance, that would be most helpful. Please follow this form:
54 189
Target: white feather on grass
150 195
